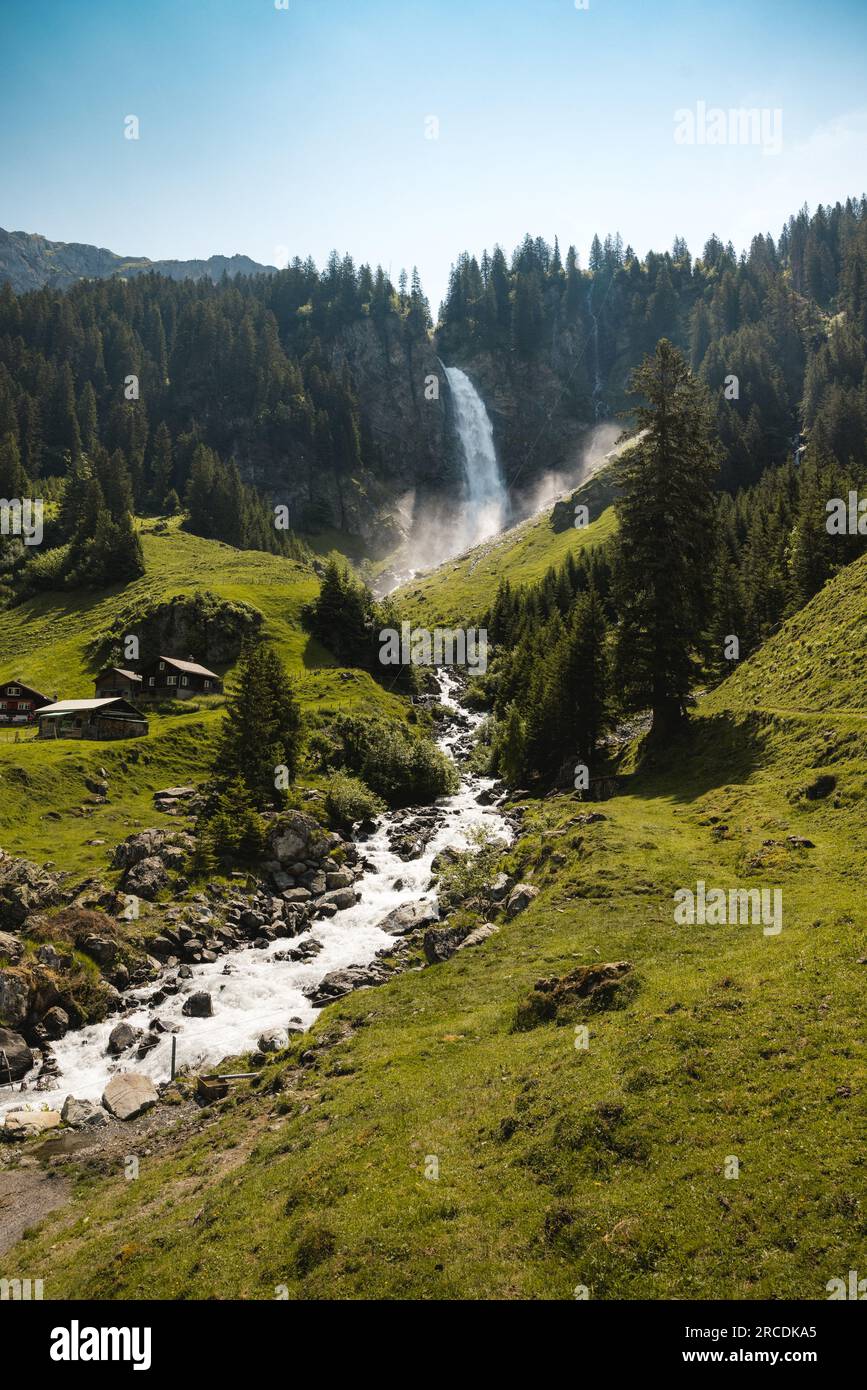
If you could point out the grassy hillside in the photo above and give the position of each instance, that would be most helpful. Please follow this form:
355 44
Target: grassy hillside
461 590
44 805
817 661
558 1166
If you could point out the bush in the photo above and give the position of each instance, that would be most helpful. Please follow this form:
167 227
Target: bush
235 828
348 800
403 767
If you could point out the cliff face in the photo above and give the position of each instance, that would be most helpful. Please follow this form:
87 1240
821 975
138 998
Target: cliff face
29 261
409 447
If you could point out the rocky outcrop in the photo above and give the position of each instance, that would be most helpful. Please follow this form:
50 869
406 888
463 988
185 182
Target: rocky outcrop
441 943
210 629
25 888
147 857
169 846
599 986
16 1059
520 898
14 998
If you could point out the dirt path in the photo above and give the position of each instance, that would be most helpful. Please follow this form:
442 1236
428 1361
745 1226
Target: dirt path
26 1196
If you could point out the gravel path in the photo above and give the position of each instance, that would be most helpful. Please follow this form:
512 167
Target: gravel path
26 1196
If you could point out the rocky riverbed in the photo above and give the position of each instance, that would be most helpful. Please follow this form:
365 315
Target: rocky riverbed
230 970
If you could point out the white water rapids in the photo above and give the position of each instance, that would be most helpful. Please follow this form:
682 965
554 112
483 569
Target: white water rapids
260 992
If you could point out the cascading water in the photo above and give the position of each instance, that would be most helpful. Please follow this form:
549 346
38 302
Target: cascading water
598 398
449 525
487 501
256 990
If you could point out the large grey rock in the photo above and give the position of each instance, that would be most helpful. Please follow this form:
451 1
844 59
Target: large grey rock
341 898
11 948
146 878
337 983
478 935
151 844
25 888
100 948
291 836
82 1114
520 897
16 1059
273 1040
24 1124
199 1005
408 918
499 887
121 1037
56 1023
129 1094
441 943
338 878
14 999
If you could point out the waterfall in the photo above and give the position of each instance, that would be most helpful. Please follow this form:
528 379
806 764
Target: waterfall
598 399
486 508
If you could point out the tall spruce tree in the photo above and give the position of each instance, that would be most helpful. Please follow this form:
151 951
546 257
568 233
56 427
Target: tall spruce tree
262 728
666 541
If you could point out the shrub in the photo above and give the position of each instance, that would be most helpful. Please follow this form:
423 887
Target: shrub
348 800
403 767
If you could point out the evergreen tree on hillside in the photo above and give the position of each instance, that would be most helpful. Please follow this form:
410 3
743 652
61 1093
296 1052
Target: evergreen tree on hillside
13 482
161 466
262 727
665 544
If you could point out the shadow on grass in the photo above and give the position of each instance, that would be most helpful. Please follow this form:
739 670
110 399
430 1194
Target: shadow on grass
710 751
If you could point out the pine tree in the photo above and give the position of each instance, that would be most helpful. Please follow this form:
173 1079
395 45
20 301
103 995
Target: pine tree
665 515
13 483
161 466
262 727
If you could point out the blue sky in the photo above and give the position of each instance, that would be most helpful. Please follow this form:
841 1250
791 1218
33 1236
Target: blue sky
282 132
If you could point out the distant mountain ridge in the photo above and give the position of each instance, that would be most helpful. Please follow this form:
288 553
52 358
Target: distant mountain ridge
29 261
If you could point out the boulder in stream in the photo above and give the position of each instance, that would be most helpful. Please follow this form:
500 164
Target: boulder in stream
129 1094
409 917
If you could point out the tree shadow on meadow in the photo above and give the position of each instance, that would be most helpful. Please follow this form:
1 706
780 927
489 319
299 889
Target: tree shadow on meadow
711 751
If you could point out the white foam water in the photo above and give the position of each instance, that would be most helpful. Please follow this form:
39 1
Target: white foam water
261 992
487 501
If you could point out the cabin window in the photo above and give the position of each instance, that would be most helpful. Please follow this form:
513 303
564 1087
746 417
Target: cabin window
171 680
207 685
162 665
13 690
152 680
184 680
22 704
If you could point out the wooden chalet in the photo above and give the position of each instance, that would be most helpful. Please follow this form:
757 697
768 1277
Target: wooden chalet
104 719
114 680
19 703
167 678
